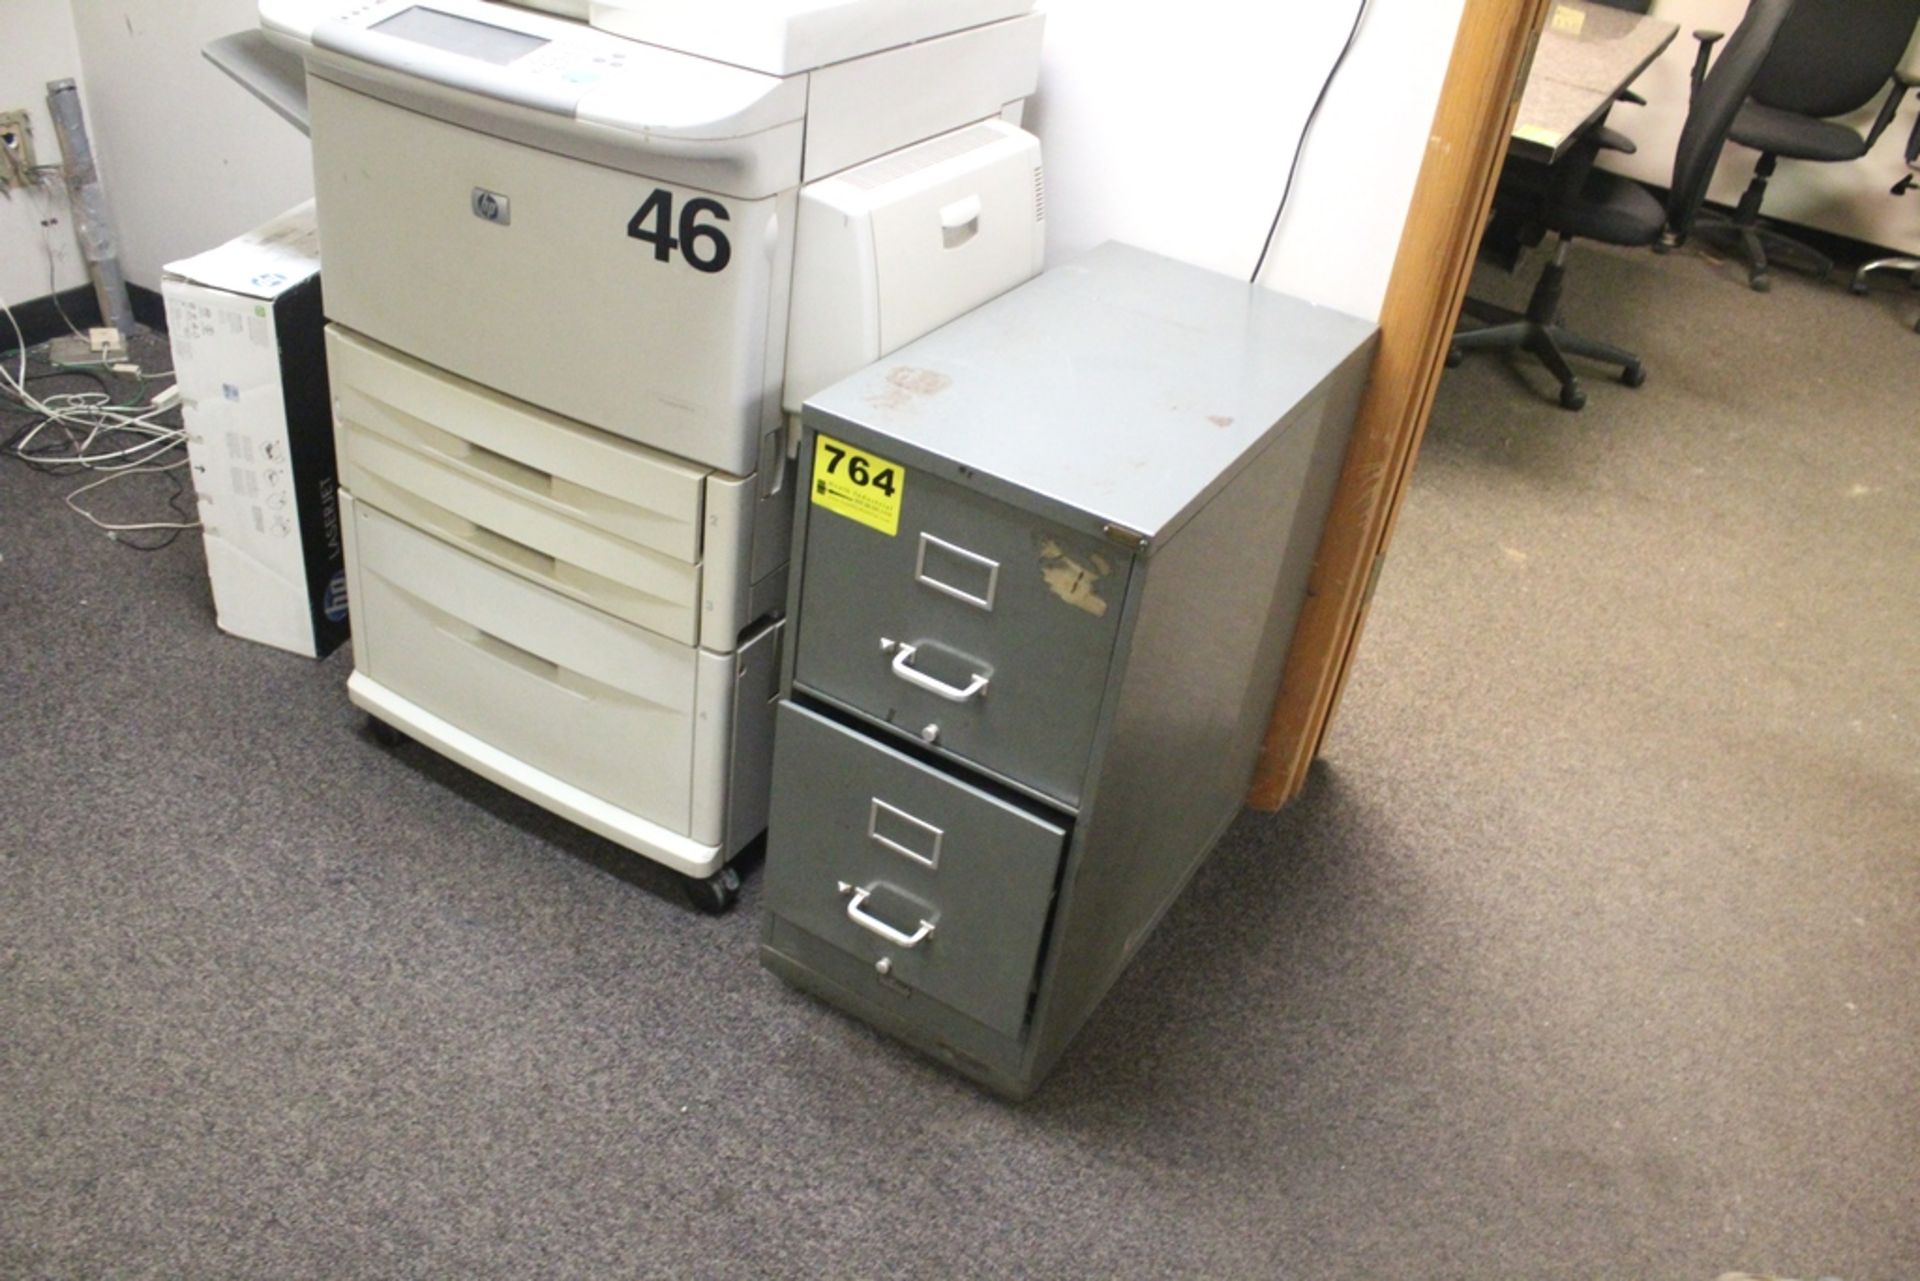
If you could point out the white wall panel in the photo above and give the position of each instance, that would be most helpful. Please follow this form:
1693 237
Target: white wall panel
1171 126
189 159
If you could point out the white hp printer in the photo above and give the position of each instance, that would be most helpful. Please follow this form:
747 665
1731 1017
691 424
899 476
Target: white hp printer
575 269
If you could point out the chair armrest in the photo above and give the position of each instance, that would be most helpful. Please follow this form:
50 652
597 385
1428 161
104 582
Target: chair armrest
1613 140
1887 110
1903 82
1707 40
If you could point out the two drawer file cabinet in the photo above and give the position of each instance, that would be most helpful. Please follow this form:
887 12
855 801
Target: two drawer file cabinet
1047 565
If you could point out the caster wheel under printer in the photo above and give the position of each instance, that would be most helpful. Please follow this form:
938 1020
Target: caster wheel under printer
383 733
715 894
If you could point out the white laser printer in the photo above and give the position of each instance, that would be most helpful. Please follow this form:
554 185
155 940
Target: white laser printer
578 274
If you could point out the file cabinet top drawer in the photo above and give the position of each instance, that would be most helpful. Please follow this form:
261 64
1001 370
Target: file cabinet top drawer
978 628
943 888
1115 394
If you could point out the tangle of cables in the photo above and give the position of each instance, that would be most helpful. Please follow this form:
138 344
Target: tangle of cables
97 431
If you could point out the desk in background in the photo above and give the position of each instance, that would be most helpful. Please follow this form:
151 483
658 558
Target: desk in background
1586 56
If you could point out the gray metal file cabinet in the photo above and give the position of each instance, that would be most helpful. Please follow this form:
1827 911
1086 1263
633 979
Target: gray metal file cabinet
1049 557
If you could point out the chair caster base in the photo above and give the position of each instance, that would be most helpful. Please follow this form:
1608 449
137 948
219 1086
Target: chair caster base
1571 397
1634 375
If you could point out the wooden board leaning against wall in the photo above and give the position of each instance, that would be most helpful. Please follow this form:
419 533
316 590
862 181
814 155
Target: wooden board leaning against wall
1451 199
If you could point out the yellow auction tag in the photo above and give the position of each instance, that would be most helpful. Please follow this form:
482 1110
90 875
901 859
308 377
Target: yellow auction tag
857 485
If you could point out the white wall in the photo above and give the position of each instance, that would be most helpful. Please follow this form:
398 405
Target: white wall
1167 126
36 45
1171 126
1850 199
188 158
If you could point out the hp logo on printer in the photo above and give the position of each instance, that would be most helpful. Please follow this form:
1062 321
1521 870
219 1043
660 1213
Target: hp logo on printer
492 206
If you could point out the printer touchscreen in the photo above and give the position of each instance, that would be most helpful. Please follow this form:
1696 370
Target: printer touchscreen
463 36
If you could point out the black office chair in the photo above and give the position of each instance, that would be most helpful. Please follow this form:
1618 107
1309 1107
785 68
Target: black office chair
1575 200
1908 265
1830 58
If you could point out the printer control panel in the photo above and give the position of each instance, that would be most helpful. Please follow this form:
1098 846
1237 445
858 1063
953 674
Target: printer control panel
489 49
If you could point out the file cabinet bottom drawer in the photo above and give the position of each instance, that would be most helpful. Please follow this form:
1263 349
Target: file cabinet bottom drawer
938 885
999 1062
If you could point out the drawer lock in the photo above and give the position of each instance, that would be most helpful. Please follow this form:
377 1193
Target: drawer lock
874 925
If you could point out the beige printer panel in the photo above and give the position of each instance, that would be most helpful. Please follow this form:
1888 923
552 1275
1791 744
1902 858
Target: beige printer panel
601 226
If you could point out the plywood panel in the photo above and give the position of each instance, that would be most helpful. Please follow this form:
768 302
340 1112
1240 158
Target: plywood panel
1449 211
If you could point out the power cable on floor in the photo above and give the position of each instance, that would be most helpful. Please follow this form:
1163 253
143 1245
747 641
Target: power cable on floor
97 432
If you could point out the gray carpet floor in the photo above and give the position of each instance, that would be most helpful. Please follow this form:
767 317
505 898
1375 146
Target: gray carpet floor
1593 948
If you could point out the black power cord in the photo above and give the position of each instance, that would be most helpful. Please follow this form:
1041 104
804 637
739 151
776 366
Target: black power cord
1293 168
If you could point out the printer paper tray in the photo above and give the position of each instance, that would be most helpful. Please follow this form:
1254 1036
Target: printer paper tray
633 532
631 719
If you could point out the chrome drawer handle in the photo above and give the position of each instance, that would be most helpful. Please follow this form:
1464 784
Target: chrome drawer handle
874 925
904 669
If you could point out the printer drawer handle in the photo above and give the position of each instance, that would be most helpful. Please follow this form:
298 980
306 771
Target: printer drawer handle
874 925
960 222
903 668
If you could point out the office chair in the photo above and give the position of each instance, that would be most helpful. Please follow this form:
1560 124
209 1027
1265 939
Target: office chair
1575 200
1909 265
1830 58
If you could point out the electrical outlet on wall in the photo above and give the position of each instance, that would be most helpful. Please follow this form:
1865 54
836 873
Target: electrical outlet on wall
16 149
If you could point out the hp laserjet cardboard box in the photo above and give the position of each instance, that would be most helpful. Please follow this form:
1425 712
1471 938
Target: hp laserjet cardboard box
250 358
